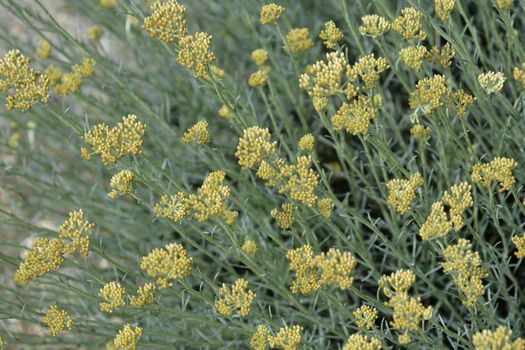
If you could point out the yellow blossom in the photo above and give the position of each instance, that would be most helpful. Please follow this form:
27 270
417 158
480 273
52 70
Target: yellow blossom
144 296
298 39
57 319
429 94
285 216
71 82
397 283
288 338
413 56
355 117
442 56
29 85
519 242
75 233
235 298
269 172
44 49
302 261
249 247
444 8
519 74
464 265
504 4
114 296
54 74
366 316
113 144
420 132
499 169
198 133
402 192
300 181
260 338
226 112
336 267
195 53
330 35
436 225
121 183
109 4
326 207
500 339
408 24
167 21
254 146
259 56
166 264
458 199
258 78
307 142
44 256
368 68
491 82
174 207
362 342
270 13
127 338
374 26
95 33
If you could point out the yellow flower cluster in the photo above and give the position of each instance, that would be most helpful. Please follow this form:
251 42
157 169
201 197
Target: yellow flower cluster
492 82
259 77
113 144
519 242
109 4
499 169
95 33
408 312
173 207
312 272
500 339
226 112
298 39
443 55
519 74
75 233
166 264
504 4
368 68
366 316
355 117
402 192
57 319
432 93
409 25
330 35
301 181
420 132
198 133
29 85
145 295
259 56
114 296
249 247
436 225
195 53
127 338
71 82
167 21
444 8
121 183
260 338
44 49
362 342
270 13
413 56
235 298
307 143
285 216
465 267
326 207
374 26
44 256
254 146
287 338
54 74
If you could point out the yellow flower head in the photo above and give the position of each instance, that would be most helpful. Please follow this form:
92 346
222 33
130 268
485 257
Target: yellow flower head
44 256
436 225
44 49
355 117
285 217
336 267
75 233
167 21
109 4
464 265
429 94
504 4
254 146
300 181
368 68
326 207
71 82
362 342
249 247
127 338
402 192
397 282
95 33
259 77
519 74
198 133
298 39
413 56
226 112
29 85
270 13
174 207
114 296
260 338
420 132
500 339
307 142
458 198
330 35
121 183
374 26
302 261
166 264
519 242
145 295
408 24
443 55
236 298
54 74
113 144
444 8
288 338
195 53
491 82
259 56
499 170
57 319
366 316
